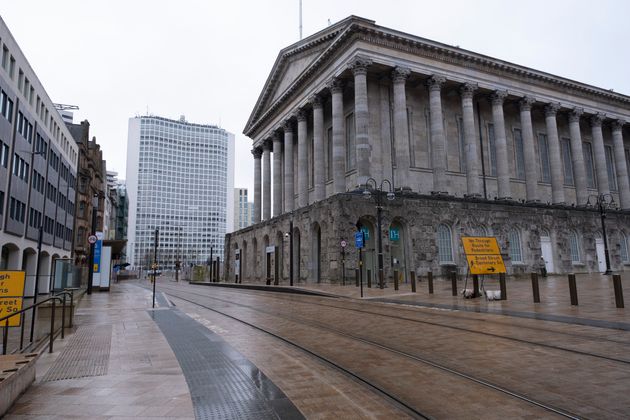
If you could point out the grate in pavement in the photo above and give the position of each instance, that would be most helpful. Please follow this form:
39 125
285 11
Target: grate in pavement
223 384
87 354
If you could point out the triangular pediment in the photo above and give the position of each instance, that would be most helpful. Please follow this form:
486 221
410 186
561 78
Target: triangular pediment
294 60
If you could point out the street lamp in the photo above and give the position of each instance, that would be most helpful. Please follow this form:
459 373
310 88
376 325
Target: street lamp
603 203
378 197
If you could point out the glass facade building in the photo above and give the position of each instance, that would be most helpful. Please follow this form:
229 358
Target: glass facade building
180 179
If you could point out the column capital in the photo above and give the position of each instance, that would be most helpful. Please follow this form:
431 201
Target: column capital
257 152
551 109
617 125
276 135
435 82
575 114
498 97
316 100
359 65
287 126
467 90
300 115
335 85
400 74
526 103
267 144
597 119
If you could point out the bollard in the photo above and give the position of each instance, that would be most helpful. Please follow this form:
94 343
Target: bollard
369 278
573 290
395 279
268 281
618 290
413 281
454 283
356 276
503 286
475 278
430 281
535 288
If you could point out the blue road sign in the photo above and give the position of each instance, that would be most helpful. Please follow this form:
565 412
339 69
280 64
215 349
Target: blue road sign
358 240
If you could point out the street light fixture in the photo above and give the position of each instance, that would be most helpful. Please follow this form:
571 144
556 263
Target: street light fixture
378 197
603 202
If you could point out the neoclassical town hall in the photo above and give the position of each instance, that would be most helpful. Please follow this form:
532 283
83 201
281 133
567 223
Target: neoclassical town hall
447 143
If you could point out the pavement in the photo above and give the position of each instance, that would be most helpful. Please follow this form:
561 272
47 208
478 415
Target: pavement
125 360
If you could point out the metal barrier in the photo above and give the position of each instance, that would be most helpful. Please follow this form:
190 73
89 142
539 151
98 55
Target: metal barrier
61 297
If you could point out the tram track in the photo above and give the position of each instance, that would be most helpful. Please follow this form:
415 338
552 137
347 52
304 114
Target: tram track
400 353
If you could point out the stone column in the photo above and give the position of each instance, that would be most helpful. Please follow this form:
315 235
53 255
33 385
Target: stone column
339 136
302 160
277 175
289 188
438 141
555 157
319 149
401 128
257 152
266 180
600 154
361 118
577 156
623 184
529 151
503 169
467 91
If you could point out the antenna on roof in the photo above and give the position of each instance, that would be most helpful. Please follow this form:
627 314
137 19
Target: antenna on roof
300 20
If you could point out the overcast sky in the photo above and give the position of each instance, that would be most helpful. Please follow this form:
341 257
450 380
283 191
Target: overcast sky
208 60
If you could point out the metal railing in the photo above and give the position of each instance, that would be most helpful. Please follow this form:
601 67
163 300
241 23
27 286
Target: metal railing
59 297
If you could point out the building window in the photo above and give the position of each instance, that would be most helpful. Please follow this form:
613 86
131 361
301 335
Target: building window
515 246
519 157
492 151
1 202
543 151
462 144
445 248
610 168
351 143
623 248
575 247
588 164
567 161
4 154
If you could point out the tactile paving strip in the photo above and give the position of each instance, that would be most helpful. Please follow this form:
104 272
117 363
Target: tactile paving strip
223 384
87 354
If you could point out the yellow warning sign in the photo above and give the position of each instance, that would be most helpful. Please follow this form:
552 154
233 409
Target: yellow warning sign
481 245
483 255
11 294
485 264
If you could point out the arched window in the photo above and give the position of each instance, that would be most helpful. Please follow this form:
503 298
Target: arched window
480 231
445 249
623 243
515 246
575 247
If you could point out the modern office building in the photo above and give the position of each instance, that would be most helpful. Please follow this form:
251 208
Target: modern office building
180 180
243 209
38 169
464 144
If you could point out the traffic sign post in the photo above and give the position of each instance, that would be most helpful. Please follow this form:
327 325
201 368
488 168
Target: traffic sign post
483 255
92 239
343 262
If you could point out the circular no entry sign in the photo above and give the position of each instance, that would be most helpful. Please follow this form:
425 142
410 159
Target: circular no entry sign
344 244
92 239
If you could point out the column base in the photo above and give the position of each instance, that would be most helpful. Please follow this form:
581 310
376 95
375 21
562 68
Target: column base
534 201
504 199
473 196
439 193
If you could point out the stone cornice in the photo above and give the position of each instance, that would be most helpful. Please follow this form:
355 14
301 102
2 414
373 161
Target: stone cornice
354 28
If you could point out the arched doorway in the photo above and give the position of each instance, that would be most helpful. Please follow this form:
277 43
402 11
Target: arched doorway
244 265
266 270
280 254
600 250
370 252
296 254
254 267
316 253
29 266
10 259
398 252
546 250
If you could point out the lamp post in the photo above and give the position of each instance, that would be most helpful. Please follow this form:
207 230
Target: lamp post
603 203
94 227
378 197
291 251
